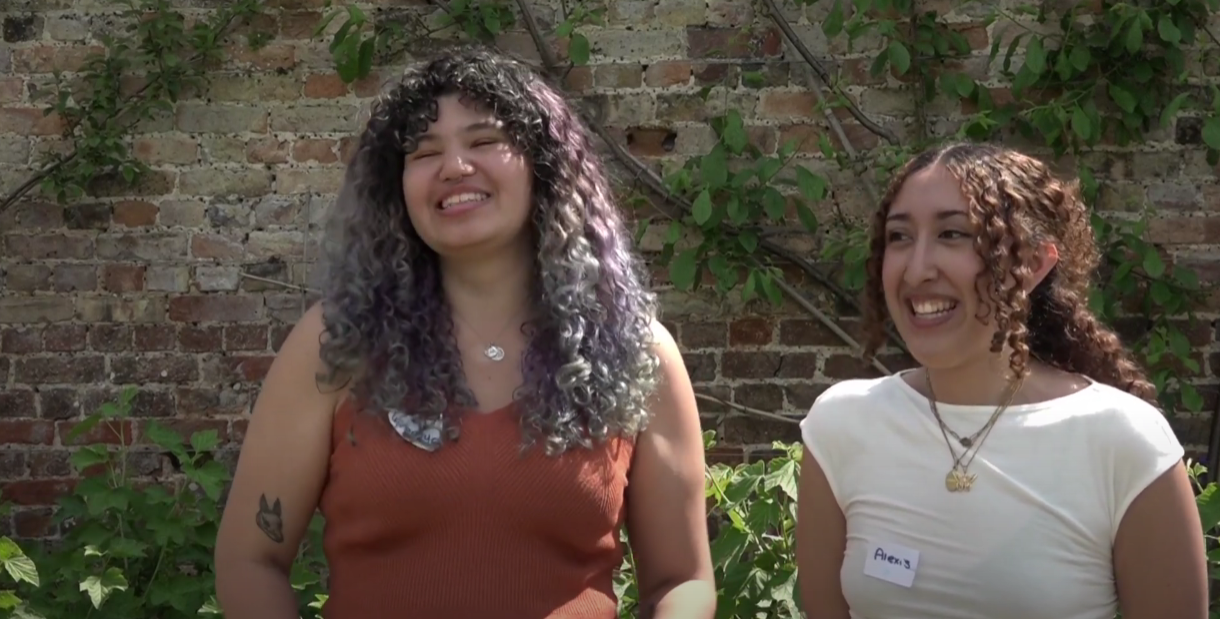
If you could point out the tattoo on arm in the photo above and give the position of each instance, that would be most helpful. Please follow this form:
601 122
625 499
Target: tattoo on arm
269 519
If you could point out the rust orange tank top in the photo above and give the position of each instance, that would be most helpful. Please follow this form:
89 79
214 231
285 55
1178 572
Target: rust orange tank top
473 529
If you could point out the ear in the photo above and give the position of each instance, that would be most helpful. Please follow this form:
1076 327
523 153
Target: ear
1045 259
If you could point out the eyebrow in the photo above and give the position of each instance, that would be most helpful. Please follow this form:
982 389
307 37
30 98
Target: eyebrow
940 215
471 128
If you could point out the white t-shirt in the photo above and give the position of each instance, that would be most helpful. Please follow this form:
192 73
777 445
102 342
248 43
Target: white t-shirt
1033 537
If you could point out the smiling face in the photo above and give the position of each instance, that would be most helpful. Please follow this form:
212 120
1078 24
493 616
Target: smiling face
929 272
467 188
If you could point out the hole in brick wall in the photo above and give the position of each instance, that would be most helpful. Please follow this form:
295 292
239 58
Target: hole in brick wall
20 28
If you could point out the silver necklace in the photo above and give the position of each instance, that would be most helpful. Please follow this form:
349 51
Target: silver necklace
492 351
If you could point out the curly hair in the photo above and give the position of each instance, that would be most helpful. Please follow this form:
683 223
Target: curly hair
1015 204
589 365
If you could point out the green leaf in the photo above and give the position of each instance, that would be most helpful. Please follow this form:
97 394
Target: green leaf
812 186
1122 98
1153 265
734 131
1208 502
365 63
20 567
807 217
1135 37
1191 398
713 168
1081 124
900 57
832 26
749 241
1035 56
1211 132
161 436
81 428
88 456
1080 56
1168 30
684 269
784 478
702 208
1172 109
774 203
99 588
578 49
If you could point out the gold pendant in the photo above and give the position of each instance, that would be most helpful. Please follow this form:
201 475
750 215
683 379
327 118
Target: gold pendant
959 480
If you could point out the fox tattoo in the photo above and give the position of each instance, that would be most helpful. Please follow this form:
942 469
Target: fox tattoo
269 519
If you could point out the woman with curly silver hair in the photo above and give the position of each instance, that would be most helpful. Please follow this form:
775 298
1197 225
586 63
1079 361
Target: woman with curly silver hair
484 396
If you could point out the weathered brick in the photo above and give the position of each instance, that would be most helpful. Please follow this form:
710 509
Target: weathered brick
215 308
64 338
151 183
21 340
325 86
154 337
67 28
50 464
316 118
221 118
90 216
51 58
117 432
217 247
142 369
51 246
166 150
299 24
270 56
317 151
236 368
734 364
73 277
733 43
123 277
216 278
13 465
37 491
268 150
700 366
15 309
30 121
167 279
35 522
155 246
15 150
751 332
245 337
254 88
110 338
28 277
703 334
135 213
764 396
276 210
17 403
12 90
309 180
225 182
116 309
61 370
19 28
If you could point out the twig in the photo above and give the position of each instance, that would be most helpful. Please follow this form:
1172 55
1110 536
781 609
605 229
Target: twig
809 307
275 282
824 76
745 409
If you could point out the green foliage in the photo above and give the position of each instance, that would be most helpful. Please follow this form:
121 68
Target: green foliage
140 545
139 76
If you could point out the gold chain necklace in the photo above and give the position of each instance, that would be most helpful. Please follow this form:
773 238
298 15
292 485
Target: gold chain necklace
959 479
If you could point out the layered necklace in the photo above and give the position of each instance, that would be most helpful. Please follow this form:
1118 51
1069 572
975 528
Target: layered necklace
491 350
959 478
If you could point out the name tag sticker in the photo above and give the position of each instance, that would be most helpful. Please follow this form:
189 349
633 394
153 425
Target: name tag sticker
892 563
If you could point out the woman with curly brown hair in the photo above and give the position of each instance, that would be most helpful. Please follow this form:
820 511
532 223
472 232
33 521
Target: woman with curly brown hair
1023 470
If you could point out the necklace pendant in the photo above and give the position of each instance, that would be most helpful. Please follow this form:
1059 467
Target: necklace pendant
493 352
966 441
958 480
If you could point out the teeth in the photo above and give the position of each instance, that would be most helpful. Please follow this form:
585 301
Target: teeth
931 308
463 197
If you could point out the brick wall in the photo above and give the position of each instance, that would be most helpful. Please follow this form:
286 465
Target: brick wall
166 285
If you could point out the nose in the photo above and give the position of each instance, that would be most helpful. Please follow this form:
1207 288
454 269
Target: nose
921 264
454 165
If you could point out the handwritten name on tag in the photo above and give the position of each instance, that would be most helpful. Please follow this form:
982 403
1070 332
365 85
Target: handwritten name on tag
892 563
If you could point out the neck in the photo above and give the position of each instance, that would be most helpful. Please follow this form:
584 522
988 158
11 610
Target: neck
982 382
489 292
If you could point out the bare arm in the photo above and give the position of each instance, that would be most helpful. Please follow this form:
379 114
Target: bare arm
277 483
821 539
1160 562
666 508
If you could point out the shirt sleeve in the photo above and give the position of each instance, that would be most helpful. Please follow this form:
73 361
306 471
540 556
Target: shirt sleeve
1144 447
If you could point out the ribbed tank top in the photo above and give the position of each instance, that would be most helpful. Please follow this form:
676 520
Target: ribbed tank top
473 529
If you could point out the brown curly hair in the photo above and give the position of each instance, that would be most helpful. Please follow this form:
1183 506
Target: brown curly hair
1016 203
